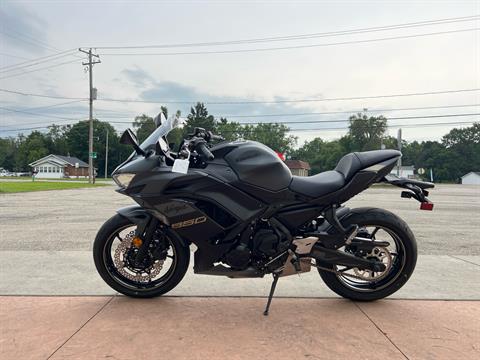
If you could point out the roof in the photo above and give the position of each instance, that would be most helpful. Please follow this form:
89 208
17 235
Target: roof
297 164
472 172
61 159
72 160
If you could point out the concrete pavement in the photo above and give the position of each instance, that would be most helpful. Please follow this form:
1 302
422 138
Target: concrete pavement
231 328
45 249
73 273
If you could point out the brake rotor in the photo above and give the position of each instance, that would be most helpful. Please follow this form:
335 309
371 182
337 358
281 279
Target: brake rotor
381 254
121 264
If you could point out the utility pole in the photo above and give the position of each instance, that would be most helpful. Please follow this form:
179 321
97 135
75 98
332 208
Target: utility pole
399 141
106 155
93 96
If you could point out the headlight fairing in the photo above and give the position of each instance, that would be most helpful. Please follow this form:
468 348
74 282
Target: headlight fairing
123 180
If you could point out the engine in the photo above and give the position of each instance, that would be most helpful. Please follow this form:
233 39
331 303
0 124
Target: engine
257 245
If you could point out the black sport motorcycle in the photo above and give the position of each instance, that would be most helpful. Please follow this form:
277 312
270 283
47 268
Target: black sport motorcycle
247 216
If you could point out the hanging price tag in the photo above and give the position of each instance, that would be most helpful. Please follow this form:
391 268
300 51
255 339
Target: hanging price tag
181 166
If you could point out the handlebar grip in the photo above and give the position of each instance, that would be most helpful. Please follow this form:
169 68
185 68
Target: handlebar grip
217 137
205 151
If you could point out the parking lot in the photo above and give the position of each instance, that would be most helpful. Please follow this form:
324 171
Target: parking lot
69 219
45 251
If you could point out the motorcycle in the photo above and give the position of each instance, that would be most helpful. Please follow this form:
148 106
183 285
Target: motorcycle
238 205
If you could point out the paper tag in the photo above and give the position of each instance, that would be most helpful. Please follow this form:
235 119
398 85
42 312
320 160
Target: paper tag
180 166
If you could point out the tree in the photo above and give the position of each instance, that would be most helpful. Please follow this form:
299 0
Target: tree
144 126
56 139
367 132
8 153
77 140
199 117
275 136
33 148
321 155
229 130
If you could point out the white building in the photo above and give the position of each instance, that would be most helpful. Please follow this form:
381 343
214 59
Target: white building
472 178
407 172
59 166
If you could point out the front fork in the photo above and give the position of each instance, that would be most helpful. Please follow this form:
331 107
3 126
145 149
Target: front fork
145 233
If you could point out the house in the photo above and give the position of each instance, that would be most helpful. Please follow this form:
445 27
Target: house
59 166
472 178
407 172
298 167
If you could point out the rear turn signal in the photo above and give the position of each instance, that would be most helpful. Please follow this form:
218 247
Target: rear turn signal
426 206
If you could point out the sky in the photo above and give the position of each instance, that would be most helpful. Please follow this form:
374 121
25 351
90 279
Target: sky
321 67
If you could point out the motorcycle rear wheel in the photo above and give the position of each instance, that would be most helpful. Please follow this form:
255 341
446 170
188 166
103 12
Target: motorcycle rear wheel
401 260
125 279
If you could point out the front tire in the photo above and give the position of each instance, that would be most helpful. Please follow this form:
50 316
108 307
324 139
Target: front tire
124 280
402 263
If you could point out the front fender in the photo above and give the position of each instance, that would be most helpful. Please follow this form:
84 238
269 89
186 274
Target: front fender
136 214
141 217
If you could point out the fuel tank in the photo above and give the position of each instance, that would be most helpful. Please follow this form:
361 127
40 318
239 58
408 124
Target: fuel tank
254 164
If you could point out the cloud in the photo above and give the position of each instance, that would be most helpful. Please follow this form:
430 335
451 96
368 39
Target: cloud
22 29
138 76
170 91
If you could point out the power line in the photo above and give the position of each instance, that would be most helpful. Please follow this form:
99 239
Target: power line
56 57
353 111
41 95
291 47
37 114
16 37
348 111
242 102
301 36
14 56
43 68
29 39
53 105
99 116
37 59
248 101
277 122
313 129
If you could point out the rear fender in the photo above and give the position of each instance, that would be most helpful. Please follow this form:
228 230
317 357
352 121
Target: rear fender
415 189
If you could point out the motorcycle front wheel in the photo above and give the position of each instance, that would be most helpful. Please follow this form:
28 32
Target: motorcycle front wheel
399 257
162 269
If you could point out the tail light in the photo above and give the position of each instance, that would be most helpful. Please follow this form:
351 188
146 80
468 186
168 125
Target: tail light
426 206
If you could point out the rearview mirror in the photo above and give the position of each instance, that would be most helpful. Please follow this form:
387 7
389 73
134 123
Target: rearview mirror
159 119
129 138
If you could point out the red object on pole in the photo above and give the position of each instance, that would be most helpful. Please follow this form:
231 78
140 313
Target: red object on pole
426 206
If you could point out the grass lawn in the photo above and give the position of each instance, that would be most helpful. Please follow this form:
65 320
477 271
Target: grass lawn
46 179
14 187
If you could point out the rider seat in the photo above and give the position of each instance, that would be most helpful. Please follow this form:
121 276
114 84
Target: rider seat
330 181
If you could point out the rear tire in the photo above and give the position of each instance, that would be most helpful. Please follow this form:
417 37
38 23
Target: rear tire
101 254
401 272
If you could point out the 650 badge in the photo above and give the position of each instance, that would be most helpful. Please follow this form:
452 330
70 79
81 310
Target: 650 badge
189 222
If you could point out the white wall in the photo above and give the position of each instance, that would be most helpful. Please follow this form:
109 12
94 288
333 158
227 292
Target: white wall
404 173
49 170
471 179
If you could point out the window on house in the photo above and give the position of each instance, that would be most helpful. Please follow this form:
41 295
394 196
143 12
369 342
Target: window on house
49 169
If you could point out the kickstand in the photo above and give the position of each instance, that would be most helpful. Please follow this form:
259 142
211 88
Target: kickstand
272 290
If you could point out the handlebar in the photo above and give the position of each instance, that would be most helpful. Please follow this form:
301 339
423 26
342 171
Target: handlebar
204 151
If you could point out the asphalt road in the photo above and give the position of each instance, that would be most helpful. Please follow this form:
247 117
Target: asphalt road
69 219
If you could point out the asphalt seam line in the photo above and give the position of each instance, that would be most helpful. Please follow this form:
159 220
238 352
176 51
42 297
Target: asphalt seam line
457 258
381 331
81 327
